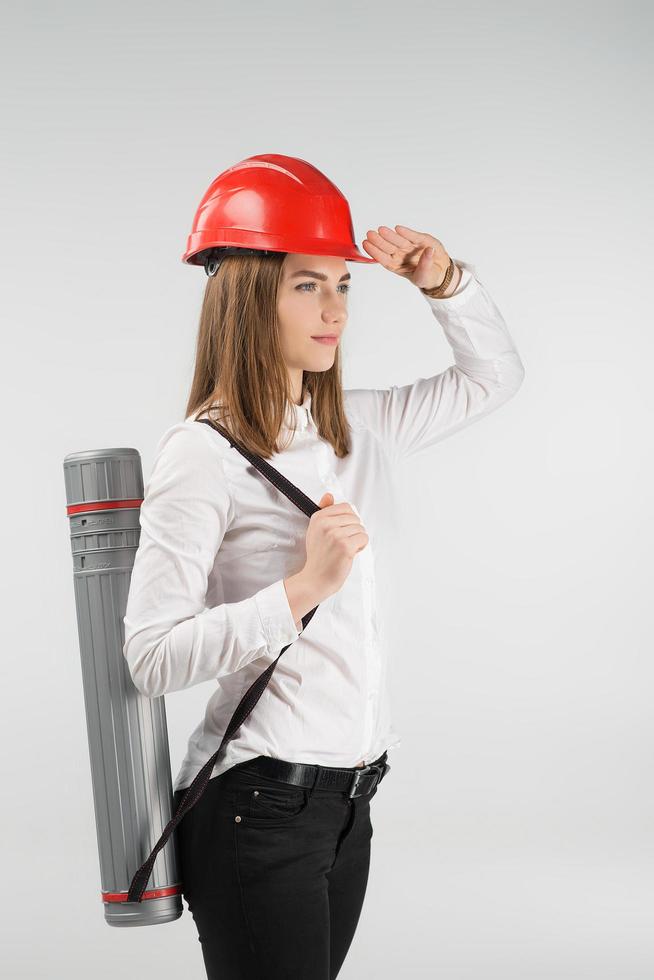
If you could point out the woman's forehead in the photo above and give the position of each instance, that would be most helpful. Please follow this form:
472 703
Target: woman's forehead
327 264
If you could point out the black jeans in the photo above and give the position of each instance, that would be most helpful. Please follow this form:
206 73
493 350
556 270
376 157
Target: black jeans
277 893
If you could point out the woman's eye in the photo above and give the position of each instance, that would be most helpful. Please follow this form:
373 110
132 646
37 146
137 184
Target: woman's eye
344 286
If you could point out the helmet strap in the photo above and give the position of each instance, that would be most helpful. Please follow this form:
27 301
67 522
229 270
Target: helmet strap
215 256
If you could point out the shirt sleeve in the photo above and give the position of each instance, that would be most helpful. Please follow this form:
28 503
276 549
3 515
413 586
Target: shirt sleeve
486 372
172 640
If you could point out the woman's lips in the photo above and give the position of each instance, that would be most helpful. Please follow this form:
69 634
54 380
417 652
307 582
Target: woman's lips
326 340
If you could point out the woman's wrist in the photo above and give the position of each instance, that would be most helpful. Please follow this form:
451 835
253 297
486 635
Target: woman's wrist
454 285
302 596
434 291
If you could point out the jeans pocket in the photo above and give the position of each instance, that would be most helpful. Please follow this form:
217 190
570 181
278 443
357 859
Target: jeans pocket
264 800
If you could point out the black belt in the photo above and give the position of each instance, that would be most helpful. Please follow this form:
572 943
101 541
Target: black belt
354 782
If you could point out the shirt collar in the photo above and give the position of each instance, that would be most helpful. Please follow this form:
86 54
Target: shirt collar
301 413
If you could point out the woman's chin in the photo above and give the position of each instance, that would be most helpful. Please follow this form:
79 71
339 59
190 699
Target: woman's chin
322 363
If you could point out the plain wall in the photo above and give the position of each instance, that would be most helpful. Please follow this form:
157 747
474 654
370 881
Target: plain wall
513 839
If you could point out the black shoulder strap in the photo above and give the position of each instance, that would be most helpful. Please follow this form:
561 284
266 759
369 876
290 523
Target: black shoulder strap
278 479
246 704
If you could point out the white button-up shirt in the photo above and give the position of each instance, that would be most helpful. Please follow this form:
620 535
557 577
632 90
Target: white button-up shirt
207 600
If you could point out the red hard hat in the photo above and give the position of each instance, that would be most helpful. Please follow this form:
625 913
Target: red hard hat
271 203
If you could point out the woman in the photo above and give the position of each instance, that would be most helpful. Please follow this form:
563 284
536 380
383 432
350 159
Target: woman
275 854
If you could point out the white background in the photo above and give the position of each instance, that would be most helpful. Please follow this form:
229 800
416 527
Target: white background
513 839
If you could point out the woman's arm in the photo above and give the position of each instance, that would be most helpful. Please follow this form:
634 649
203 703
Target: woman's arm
486 372
172 640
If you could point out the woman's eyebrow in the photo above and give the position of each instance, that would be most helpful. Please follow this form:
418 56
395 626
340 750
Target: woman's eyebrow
317 275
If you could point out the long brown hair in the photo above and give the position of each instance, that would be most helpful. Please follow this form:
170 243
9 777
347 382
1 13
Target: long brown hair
239 363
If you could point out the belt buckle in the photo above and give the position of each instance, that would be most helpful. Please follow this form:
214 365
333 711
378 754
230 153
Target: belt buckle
364 772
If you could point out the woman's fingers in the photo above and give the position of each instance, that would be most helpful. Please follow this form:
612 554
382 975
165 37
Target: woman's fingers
383 242
396 239
376 253
397 250
415 237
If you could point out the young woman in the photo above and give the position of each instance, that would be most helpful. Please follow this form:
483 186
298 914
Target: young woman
275 854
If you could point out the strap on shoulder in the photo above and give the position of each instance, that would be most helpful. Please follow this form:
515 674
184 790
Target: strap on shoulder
294 494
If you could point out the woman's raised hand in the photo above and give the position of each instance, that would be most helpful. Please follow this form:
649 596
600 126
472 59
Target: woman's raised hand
415 255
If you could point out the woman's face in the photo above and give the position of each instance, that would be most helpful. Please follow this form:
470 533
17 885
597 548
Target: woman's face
312 301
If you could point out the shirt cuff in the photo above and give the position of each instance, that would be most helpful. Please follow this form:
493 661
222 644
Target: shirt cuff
275 613
468 286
